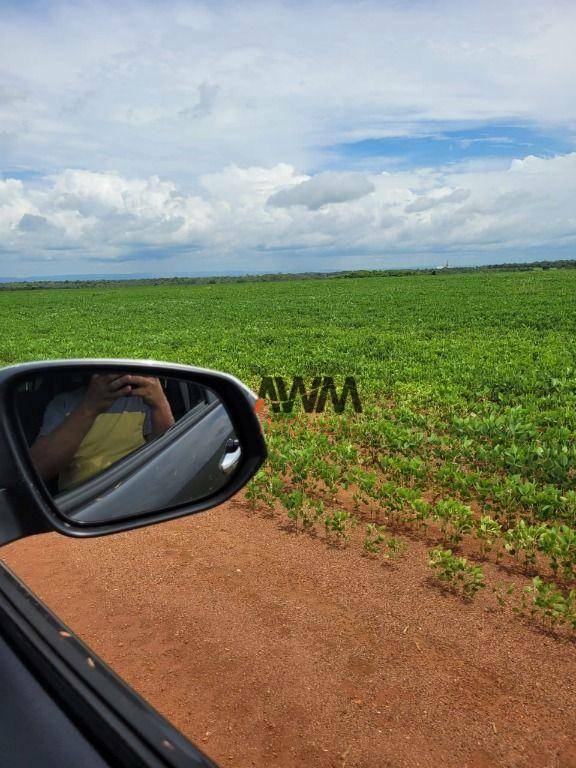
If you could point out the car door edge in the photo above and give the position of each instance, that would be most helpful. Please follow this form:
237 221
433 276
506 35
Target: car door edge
121 725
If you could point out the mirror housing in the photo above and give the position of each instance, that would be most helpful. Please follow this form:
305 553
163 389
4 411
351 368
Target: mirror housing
26 505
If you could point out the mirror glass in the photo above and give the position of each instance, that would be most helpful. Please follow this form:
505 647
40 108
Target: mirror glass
114 444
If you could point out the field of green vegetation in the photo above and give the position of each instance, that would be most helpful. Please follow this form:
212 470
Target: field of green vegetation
468 383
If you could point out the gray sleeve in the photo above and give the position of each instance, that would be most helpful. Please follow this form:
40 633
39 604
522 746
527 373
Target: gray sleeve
147 428
56 411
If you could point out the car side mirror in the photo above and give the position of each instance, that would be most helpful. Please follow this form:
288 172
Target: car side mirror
97 446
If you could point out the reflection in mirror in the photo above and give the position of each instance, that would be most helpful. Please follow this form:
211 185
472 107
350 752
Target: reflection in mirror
116 444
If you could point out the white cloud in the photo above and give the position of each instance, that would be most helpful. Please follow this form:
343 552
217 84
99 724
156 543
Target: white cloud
197 87
203 132
323 189
249 185
80 215
438 197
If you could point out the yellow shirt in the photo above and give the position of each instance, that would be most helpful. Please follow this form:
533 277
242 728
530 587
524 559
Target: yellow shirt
111 437
114 434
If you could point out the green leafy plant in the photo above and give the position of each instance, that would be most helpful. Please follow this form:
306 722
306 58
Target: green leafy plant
488 531
456 520
551 604
293 503
558 543
523 538
403 504
366 486
395 547
338 524
264 490
456 571
373 538
503 592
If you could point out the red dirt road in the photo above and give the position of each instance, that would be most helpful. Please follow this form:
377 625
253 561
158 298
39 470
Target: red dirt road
269 648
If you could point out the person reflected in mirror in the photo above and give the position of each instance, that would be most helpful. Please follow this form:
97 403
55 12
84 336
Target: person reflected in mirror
86 430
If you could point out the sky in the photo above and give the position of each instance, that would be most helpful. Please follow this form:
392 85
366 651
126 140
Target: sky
175 137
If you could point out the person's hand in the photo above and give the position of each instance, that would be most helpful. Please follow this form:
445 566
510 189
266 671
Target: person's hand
149 389
103 390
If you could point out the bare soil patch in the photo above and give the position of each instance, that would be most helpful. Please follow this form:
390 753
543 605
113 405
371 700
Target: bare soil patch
268 648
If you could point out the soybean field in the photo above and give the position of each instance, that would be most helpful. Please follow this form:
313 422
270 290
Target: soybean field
466 439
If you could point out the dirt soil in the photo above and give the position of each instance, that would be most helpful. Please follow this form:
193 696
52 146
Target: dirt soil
269 648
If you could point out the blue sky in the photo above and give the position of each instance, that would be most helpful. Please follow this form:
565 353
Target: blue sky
270 136
447 145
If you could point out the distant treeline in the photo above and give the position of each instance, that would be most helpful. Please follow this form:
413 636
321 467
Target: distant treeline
277 277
